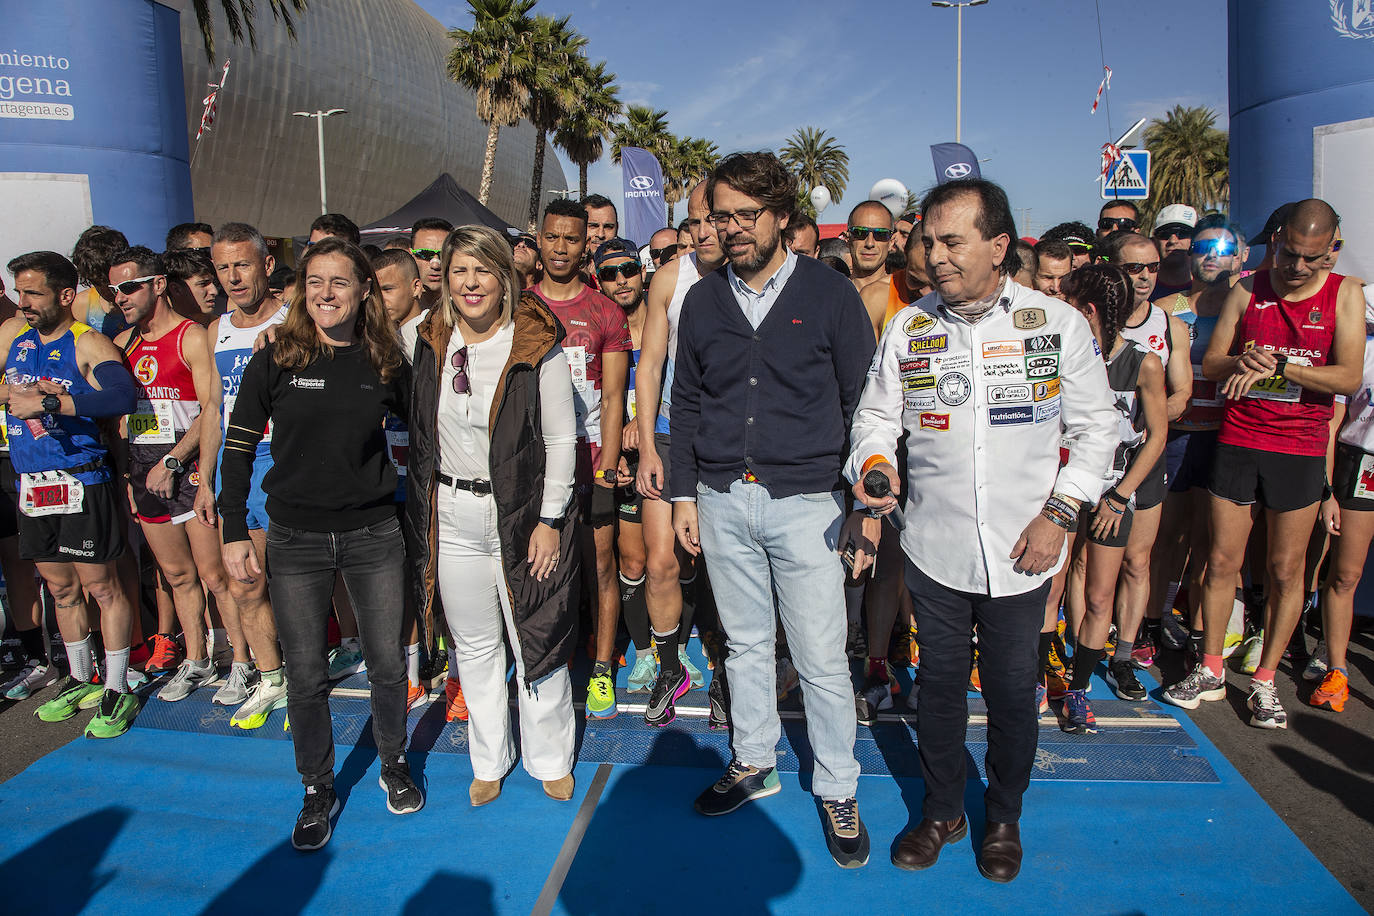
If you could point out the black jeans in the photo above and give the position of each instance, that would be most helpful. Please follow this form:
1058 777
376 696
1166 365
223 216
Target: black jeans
301 570
1008 637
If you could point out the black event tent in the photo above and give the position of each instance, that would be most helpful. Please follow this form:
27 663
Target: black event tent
444 197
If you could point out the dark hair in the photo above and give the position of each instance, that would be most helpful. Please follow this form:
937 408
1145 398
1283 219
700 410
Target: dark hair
283 277
1217 221
370 250
401 242
1106 287
94 252
1112 246
298 342
429 222
57 271
761 176
184 263
871 203
1135 211
562 206
599 201
994 213
146 260
1054 249
799 222
1078 232
338 225
235 233
832 248
835 263
396 257
684 226
181 233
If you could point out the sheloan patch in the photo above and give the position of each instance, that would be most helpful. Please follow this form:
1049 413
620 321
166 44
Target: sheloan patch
1028 319
918 324
937 343
938 421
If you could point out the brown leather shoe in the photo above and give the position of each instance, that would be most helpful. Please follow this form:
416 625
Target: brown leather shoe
1001 858
920 848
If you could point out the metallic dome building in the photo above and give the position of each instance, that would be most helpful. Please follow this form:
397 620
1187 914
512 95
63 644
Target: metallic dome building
382 60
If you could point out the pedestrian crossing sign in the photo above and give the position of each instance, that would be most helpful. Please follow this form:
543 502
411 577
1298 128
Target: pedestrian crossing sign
1129 179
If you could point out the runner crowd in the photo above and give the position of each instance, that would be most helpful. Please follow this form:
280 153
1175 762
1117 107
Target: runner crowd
483 453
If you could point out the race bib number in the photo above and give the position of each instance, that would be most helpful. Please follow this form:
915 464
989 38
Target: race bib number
630 403
151 424
1206 393
50 493
398 448
577 364
1278 388
1364 480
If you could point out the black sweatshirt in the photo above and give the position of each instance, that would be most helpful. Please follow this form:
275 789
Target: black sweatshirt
330 470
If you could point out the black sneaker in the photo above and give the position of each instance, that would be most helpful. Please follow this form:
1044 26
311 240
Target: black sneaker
668 689
845 833
1121 678
875 695
313 827
741 783
403 796
720 710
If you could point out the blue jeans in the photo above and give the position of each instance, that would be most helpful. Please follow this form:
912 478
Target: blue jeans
301 568
756 546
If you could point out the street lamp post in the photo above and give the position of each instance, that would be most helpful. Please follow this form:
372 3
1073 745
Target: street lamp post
319 117
958 60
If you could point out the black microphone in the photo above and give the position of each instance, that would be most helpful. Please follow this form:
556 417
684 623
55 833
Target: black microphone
877 487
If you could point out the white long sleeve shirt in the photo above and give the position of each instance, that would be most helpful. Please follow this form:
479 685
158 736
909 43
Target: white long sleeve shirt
464 434
985 406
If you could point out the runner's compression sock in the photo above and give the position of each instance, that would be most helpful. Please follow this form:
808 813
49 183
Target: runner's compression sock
32 643
1123 650
636 611
117 670
1263 674
1170 593
413 664
276 677
601 669
666 643
1084 661
80 660
877 666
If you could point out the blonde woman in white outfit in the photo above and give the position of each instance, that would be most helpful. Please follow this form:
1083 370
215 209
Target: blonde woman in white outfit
492 435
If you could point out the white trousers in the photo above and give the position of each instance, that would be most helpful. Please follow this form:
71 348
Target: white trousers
477 607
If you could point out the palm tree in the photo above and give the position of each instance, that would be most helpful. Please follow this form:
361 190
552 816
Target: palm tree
645 128
691 158
557 84
496 60
1188 162
582 132
817 159
239 16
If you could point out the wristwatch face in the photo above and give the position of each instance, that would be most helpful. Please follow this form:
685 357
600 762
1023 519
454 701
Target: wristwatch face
51 403
172 464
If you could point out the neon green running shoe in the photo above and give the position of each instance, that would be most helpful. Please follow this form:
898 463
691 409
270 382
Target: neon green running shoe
72 695
601 697
263 699
116 714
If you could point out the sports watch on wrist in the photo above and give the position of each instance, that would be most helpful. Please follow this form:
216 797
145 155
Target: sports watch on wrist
173 465
51 403
1281 364
555 523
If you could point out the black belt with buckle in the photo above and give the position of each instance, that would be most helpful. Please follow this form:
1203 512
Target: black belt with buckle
478 487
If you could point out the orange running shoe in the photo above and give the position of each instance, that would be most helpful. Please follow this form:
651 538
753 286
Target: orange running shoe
456 707
415 695
165 656
1332 692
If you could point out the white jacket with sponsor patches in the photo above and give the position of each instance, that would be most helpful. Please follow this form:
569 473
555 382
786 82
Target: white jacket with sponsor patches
985 406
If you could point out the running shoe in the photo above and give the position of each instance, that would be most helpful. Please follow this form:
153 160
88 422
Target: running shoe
71 696
1173 635
403 796
190 675
975 677
667 691
1056 664
1250 656
845 834
1078 714
641 679
116 714
1121 678
1042 700
1143 653
263 698
1110 645
415 696
1056 685
715 695
601 697
1332 692
1265 709
693 672
33 675
740 784
455 705
1317 665
164 656
345 663
313 827
875 695
235 688
788 678
1235 629
1199 685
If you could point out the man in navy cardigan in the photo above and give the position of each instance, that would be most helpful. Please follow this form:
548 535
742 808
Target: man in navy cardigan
773 350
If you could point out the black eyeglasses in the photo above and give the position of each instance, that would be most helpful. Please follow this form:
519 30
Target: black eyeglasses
859 233
1110 223
425 254
658 254
1135 267
1165 233
459 361
745 218
627 270
129 287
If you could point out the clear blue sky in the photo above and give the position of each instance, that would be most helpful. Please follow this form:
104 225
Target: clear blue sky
879 77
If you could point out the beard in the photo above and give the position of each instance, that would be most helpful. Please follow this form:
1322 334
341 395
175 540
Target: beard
763 252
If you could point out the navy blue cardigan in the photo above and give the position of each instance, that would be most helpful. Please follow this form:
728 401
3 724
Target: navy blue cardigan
777 400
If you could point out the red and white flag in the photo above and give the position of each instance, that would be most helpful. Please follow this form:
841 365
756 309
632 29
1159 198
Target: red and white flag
1102 87
1111 155
211 102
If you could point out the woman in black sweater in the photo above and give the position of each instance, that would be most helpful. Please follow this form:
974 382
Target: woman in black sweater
325 385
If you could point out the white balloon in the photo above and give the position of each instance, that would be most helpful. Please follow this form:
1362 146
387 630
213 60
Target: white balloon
820 198
891 193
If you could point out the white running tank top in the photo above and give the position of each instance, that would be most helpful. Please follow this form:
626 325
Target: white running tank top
687 276
1152 333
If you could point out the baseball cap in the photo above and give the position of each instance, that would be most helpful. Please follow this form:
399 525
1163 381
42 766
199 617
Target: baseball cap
1273 224
616 247
1175 215
516 238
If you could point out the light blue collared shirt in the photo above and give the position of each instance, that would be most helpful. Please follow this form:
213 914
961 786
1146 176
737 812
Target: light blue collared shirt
757 305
